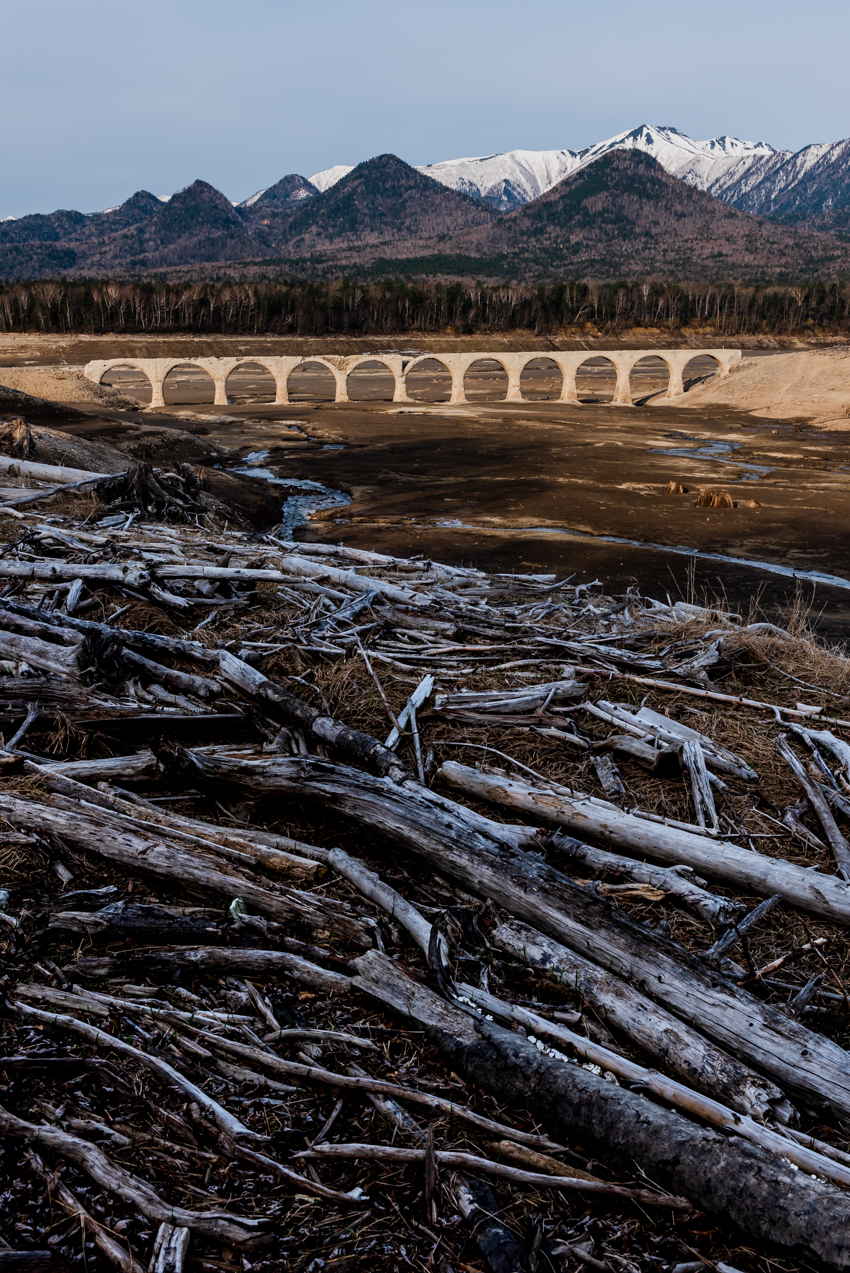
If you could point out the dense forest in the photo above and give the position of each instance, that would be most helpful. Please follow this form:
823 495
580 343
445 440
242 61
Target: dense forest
393 306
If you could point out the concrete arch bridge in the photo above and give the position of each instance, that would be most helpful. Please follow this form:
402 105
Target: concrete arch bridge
399 366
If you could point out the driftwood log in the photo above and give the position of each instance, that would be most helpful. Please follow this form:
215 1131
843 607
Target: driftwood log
763 1195
487 860
820 895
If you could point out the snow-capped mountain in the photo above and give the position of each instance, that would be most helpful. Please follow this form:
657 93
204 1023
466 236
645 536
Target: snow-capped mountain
511 179
812 183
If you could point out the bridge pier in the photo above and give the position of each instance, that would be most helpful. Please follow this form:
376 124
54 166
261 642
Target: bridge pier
623 364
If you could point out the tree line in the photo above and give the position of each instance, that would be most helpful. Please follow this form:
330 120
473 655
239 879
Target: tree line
346 307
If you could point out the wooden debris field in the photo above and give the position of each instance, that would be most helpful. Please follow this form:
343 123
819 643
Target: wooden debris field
371 913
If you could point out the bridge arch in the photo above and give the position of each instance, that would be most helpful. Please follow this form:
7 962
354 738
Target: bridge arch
596 378
492 370
188 383
700 367
139 385
649 376
251 380
357 381
540 379
314 378
429 374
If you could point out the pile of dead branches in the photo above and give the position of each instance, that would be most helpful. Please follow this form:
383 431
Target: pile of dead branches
369 912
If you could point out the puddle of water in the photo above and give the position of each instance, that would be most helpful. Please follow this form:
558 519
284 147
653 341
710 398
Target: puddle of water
256 457
711 449
296 509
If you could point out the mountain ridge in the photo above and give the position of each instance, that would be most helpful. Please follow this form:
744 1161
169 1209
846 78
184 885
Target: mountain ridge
621 215
752 176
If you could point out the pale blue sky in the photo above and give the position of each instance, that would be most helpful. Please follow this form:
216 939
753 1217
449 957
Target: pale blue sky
99 98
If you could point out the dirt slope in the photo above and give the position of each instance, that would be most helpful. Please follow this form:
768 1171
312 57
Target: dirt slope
814 386
62 384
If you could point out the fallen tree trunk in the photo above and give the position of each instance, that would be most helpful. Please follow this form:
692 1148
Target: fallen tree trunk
14 467
238 963
677 882
141 852
296 566
285 707
182 682
58 660
728 1176
681 1049
205 836
56 571
154 642
486 859
820 895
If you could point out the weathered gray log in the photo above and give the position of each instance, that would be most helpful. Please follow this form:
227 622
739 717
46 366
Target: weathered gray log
94 832
672 732
820 895
153 642
14 467
678 882
665 762
278 853
208 838
486 859
726 1175
679 1049
518 702
290 565
379 801
58 660
838 844
169 1249
701 793
55 571
182 682
222 1225
103 769
46 631
238 963
798 1150
294 712
139 922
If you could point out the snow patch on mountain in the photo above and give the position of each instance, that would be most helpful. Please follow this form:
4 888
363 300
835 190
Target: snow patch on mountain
330 176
